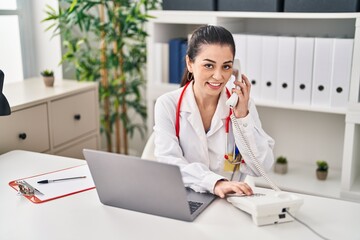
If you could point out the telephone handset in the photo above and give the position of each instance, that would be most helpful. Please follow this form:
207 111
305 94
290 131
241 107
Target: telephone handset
267 208
232 101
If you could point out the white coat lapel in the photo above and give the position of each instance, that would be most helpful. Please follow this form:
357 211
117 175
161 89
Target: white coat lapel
194 119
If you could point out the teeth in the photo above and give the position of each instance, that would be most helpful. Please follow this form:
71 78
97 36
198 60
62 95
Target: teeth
214 84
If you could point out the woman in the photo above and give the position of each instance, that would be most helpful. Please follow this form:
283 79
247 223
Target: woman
196 140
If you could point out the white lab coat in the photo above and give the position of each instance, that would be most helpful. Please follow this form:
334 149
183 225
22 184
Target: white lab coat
200 155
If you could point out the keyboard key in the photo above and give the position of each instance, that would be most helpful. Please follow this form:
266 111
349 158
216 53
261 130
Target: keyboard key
194 206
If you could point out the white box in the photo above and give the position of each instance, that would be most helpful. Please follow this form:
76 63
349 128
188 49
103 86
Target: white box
341 72
269 68
323 61
285 70
304 56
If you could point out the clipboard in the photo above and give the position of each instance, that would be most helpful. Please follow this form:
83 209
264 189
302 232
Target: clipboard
59 189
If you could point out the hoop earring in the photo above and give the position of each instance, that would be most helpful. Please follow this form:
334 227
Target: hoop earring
190 76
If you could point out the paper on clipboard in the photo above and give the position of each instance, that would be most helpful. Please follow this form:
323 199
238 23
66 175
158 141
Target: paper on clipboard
61 188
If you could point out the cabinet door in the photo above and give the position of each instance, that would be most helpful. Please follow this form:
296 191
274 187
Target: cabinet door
73 117
25 129
76 150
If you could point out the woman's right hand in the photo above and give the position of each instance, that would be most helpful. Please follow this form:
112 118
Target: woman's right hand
223 187
243 91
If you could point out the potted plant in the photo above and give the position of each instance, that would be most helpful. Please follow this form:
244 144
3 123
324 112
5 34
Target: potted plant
105 41
48 77
322 169
281 165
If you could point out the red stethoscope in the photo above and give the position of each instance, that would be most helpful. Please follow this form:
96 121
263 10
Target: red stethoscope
227 121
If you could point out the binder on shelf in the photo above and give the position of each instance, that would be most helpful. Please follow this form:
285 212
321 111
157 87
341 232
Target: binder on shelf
158 54
175 60
304 58
165 63
323 61
51 191
183 49
341 72
285 69
269 68
161 62
240 53
253 59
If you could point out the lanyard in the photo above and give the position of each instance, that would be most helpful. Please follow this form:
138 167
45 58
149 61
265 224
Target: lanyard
177 120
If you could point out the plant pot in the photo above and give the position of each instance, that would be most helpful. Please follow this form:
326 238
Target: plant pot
49 81
280 168
321 175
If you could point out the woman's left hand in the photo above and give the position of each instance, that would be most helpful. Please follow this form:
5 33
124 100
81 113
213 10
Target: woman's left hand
223 187
241 109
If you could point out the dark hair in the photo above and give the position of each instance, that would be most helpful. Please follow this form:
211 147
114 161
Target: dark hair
207 34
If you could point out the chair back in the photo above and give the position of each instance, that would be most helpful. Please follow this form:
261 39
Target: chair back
148 152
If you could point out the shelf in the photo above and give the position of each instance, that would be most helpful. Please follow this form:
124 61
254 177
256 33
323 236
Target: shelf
302 178
354 193
356 185
162 14
261 103
302 133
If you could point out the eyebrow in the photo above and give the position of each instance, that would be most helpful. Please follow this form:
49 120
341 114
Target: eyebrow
209 60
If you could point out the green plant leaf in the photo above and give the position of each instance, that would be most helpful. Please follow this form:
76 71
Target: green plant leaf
79 23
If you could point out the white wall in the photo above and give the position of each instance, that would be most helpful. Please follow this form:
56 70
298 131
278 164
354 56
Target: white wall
47 49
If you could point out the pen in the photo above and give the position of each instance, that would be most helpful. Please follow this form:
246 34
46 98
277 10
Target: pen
60 179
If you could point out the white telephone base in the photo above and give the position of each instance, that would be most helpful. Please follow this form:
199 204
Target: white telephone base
268 208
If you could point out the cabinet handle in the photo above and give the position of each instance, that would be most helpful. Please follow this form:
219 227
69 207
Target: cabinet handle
77 116
22 136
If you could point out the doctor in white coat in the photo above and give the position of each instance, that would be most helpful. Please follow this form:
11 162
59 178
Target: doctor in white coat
192 127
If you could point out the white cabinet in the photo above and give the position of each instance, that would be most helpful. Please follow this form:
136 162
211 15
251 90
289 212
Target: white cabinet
27 129
61 120
303 134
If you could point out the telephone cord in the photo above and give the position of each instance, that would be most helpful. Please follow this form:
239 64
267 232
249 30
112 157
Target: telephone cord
256 163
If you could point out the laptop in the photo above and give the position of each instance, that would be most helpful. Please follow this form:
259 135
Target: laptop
145 186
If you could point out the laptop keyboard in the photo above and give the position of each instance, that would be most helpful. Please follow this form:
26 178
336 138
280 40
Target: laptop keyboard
194 206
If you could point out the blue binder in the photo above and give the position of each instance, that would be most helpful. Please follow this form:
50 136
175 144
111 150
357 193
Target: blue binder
176 59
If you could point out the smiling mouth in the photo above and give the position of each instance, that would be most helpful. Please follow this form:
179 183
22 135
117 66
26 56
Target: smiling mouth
214 84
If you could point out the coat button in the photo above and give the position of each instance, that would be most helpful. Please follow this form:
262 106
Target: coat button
245 124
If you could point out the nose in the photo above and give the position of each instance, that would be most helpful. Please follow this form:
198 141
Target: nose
217 75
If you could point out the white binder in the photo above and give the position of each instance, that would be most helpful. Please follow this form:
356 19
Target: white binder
253 59
161 62
341 72
240 53
285 70
157 62
269 68
323 60
304 54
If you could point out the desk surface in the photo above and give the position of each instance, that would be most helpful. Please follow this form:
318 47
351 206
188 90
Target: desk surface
82 216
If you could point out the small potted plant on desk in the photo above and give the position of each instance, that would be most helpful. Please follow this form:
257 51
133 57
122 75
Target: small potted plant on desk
322 169
281 165
48 76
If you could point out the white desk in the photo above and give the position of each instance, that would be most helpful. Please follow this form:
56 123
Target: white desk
82 216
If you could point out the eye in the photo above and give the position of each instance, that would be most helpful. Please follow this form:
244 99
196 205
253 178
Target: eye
208 65
227 67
